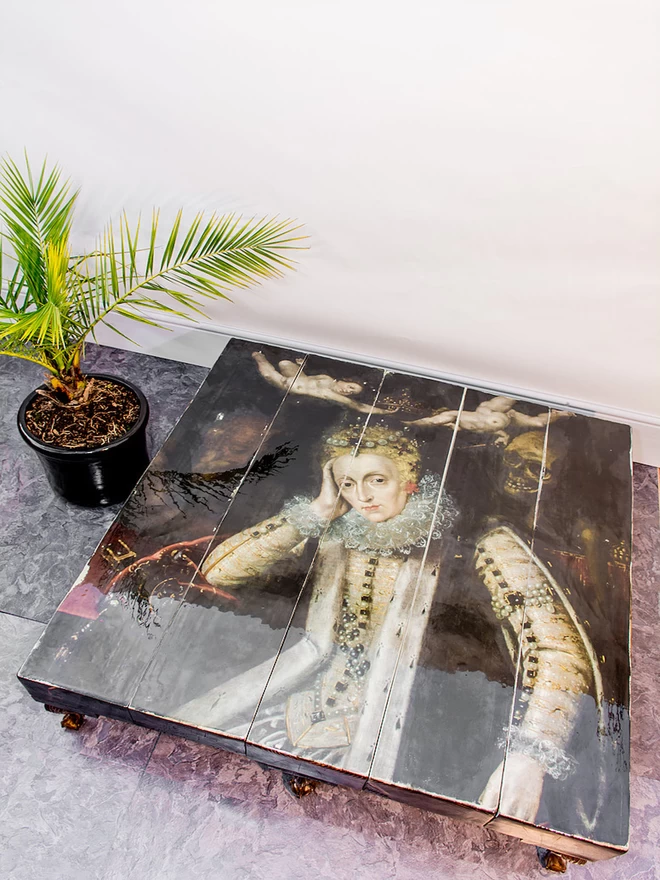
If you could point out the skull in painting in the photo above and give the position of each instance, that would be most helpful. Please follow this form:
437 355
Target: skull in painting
523 464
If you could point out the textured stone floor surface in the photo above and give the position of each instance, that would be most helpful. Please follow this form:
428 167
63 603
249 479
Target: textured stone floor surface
113 800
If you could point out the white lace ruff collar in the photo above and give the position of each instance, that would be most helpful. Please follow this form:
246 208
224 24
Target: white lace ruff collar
400 534
411 528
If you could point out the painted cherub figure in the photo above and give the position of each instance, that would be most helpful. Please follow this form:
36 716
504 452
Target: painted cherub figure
323 387
492 416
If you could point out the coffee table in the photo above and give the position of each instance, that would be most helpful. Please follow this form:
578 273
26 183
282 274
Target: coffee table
374 579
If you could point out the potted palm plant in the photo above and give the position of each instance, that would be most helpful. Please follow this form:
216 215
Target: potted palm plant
89 430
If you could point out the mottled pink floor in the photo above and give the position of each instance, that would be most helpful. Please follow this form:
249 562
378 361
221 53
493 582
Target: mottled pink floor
114 801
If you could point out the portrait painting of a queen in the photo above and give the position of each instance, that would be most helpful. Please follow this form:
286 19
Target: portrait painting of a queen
371 512
383 645
377 580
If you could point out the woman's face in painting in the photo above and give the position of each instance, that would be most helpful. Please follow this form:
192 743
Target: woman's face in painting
371 484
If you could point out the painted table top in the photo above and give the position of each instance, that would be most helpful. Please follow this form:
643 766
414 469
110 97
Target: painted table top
380 580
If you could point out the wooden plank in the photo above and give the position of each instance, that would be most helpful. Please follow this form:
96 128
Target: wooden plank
441 745
323 707
109 625
216 657
576 651
482 673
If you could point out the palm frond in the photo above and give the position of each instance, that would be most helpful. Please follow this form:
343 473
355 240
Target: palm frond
26 353
12 297
212 256
52 301
36 213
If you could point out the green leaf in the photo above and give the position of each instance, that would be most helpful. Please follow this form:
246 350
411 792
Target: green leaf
52 301
35 215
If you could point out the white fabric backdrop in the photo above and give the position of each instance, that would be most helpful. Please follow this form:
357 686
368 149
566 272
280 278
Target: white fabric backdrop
480 180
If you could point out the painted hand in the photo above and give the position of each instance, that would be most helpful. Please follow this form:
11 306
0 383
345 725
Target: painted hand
329 504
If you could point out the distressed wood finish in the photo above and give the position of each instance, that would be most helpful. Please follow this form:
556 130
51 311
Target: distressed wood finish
378 580
364 626
457 654
231 651
582 539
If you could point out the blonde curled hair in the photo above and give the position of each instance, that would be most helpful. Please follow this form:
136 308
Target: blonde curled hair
393 443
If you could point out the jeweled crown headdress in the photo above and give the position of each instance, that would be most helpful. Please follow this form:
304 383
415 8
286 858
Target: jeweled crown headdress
379 439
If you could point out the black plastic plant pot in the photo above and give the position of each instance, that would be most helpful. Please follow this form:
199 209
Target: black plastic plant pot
94 477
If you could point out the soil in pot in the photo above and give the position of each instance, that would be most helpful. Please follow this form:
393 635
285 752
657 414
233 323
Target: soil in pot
106 412
93 453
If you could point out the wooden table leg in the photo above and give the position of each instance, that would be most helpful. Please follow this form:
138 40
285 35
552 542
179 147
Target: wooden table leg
556 862
299 786
70 721
551 861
